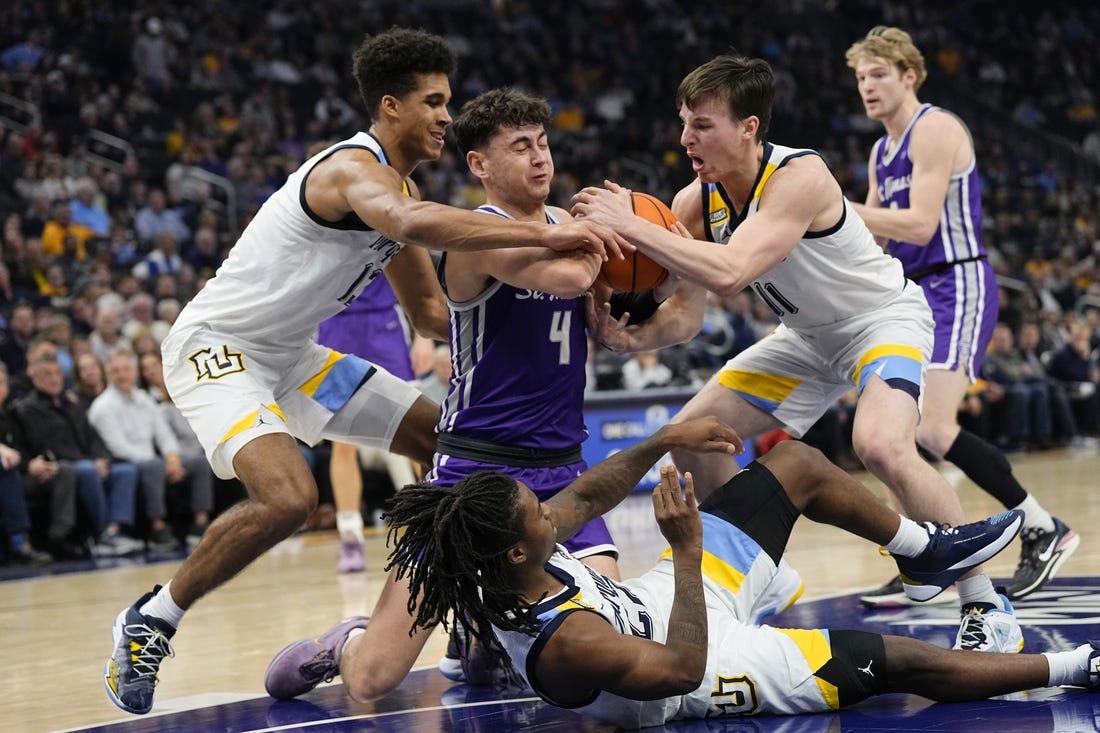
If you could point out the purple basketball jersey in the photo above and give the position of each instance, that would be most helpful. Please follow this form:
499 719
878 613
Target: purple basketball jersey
963 295
518 369
959 236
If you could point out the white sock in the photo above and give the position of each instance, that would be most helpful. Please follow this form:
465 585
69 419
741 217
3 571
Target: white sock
354 633
978 589
162 606
1070 667
910 540
1035 515
350 524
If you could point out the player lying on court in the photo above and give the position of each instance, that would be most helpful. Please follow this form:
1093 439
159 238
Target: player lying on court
683 640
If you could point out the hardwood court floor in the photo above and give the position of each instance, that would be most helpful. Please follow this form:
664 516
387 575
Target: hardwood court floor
57 628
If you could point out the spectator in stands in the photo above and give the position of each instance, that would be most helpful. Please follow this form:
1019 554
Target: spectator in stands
205 254
56 426
59 331
156 217
1075 364
335 113
152 55
86 212
143 342
141 316
61 227
14 515
1027 395
15 338
1061 411
123 248
24 57
644 370
134 429
90 380
163 260
107 334
46 482
168 310
191 452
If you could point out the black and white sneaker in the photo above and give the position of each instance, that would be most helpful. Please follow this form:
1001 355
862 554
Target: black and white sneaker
1041 555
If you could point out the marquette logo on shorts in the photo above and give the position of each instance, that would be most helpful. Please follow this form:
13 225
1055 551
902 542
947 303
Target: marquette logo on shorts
216 362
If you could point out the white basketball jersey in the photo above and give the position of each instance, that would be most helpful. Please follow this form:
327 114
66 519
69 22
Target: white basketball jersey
829 276
751 669
290 270
630 607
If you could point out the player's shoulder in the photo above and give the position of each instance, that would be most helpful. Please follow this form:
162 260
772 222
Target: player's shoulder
688 199
936 123
559 214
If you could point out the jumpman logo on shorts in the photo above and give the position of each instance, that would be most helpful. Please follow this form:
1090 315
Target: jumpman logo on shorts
867 670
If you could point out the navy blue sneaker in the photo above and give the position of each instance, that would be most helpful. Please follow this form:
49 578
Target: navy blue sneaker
141 643
952 551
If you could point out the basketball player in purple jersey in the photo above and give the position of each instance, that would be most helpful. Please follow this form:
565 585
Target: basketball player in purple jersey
924 201
519 344
373 326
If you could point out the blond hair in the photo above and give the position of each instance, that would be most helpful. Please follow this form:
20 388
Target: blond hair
892 44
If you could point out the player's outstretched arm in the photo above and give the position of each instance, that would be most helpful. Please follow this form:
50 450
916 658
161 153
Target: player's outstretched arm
354 181
610 481
634 667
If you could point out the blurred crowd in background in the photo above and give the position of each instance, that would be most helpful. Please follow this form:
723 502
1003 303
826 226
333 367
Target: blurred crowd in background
137 140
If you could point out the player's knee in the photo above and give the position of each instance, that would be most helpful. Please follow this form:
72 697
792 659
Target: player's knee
799 467
288 502
880 453
936 439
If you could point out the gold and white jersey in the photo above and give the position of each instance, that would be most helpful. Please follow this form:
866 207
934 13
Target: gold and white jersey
751 668
290 270
829 276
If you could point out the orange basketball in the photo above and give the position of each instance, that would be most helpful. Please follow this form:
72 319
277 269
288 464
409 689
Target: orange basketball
637 272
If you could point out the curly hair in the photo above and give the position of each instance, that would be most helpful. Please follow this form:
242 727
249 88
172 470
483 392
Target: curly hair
389 63
482 116
452 543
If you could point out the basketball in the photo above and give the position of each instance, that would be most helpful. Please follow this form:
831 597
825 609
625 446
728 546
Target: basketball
637 272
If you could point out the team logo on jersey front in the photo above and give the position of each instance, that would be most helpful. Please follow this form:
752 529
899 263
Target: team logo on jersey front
733 696
216 362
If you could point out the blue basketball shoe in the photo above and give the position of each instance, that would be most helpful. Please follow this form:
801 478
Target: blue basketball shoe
141 643
952 551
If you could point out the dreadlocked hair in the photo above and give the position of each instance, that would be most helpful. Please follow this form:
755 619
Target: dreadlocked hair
451 544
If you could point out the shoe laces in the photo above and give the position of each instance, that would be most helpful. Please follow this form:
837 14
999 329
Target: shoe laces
940 535
972 634
154 647
322 668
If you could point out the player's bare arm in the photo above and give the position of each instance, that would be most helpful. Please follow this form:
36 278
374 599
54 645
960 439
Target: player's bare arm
629 666
606 484
872 199
939 147
793 199
564 274
353 180
412 277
